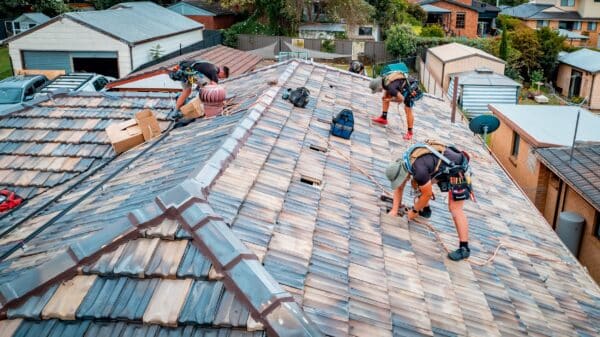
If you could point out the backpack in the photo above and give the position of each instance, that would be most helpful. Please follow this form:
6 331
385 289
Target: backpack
342 124
299 97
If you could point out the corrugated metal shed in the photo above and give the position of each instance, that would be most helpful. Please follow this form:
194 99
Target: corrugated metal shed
481 87
151 21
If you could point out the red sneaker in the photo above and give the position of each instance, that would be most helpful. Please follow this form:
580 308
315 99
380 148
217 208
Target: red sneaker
408 136
380 120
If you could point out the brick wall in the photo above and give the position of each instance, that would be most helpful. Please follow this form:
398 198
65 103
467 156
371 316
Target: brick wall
214 22
471 18
524 168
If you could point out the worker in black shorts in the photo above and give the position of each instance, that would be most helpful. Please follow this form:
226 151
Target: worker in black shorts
428 169
395 87
203 69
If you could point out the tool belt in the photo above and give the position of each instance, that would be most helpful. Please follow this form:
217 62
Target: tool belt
459 186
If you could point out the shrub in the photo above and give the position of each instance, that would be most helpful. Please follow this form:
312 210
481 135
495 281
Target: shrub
328 46
433 31
401 41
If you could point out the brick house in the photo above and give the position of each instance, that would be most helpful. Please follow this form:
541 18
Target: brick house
579 75
576 19
525 132
469 18
208 13
575 187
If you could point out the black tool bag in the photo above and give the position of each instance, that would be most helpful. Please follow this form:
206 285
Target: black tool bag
414 89
299 97
342 125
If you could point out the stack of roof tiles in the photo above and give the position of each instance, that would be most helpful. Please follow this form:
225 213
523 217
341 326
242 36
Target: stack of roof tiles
157 249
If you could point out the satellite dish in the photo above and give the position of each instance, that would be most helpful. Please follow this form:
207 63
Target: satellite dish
484 124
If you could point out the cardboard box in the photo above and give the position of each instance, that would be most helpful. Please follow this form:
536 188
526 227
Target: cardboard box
125 135
50 74
194 109
148 124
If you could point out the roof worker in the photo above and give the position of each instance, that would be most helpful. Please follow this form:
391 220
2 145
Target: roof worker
395 87
199 73
357 67
431 163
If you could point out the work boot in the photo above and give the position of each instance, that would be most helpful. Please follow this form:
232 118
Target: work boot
380 120
425 212
459 254
408 135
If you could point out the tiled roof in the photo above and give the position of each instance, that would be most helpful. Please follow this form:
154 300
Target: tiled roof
526 10
581 173
47 145
314 227
239 62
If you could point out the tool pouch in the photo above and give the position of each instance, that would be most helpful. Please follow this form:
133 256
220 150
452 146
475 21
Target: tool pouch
460 192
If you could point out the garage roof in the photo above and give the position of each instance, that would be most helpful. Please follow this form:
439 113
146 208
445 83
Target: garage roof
131 22
485 76
151 21
586 59
455 51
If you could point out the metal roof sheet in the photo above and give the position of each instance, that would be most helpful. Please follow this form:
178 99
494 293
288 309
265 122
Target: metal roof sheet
151 21
484 77
552 124
434 9
453 51
586 59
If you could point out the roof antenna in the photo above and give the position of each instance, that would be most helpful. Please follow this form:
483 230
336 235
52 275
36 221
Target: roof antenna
576 128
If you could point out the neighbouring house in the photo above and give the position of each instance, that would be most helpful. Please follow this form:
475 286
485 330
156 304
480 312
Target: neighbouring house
25 22
478 88
451 58
259 222
111 42
209 13
573 185
579 75
156 77
577 19
527 128
468 18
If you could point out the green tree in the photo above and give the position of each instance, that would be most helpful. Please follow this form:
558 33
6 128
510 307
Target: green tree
551 43
526 42
503 52
352 11
432 31
14 8
401 40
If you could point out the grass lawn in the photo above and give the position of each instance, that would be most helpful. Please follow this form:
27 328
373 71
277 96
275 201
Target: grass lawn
5 69
552 100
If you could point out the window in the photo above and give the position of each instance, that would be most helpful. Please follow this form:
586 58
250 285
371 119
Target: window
542 23
568 25
577 25
591 26
597 226
514 152
365 31
567 3
31 25
460 20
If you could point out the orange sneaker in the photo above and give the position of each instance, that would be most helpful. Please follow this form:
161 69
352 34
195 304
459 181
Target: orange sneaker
408 136
380 120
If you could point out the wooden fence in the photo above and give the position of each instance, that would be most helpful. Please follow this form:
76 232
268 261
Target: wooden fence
374 51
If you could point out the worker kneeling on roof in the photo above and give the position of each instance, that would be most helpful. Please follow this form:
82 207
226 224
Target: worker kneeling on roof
434 163
196 73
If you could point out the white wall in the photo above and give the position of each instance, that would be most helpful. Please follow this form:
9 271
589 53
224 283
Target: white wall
141 53
68 35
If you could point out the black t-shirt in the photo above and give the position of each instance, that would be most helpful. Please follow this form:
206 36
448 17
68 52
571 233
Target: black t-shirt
424 166
207 69
395 87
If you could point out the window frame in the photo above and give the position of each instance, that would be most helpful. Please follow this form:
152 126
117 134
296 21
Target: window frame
515 145
464 19
589 23
362 29
566 3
